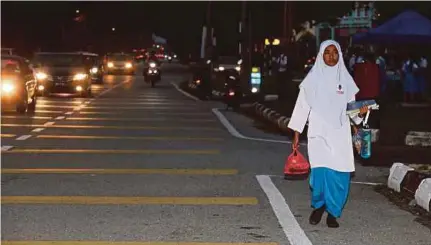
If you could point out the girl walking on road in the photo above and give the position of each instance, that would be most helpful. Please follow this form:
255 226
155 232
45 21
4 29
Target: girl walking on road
323 98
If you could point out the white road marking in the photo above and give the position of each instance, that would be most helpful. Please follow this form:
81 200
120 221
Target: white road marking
366 183
237 134
38 130
60 118
114 87
294 233
49 123
23 137
68 113
184 92
228 125
77 108
6 147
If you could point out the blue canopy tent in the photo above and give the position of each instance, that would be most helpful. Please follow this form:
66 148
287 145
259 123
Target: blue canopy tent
407 27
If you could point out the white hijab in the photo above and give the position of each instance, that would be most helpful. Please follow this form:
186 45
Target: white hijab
329 89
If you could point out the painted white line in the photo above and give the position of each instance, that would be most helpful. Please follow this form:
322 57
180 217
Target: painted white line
110 89
227 124
23 137
87 102
60 118
366 183
294 233
184 92
6 147
68 113
237 134
38 130
48 123
77 108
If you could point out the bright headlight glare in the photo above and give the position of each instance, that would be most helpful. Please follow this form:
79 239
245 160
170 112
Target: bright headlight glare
110 64
152 65
80 76
94 70
238 68
221 68
41 76
128 65
7 87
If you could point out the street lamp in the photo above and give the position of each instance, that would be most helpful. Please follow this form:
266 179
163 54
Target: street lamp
77 11
113 28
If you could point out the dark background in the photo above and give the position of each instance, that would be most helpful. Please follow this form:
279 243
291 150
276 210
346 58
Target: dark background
50 26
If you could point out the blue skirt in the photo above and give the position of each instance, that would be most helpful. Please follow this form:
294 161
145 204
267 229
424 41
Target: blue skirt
411 84
329 188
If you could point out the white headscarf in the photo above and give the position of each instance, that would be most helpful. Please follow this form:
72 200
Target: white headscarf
329 89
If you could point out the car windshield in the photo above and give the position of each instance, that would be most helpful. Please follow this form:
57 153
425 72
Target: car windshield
59 60
119 58
228 60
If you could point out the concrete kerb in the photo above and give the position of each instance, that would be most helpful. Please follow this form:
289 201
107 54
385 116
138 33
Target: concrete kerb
409 182
272 116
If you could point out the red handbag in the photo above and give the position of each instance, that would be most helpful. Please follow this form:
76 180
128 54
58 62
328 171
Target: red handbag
296 166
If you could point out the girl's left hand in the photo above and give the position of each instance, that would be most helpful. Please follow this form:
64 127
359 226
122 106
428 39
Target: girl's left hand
363 111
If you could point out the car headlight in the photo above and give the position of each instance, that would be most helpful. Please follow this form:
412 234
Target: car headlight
110 64
128 65
238 68
41 76
79 77
94 70
221 68
7 87
152 65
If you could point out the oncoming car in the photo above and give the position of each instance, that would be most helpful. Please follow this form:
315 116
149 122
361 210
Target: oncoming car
18 84
119 63
62 73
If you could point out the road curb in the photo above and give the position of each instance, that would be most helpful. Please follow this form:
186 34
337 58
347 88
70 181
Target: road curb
411 183
271 115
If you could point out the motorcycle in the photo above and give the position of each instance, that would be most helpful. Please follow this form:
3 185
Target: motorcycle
233 94
152 74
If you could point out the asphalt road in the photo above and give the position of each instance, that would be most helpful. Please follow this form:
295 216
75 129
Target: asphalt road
148 165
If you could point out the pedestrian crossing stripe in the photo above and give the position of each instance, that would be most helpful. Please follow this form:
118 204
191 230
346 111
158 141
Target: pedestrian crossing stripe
130 243
109 127
116 200
8 135
120 171
111 151
91 137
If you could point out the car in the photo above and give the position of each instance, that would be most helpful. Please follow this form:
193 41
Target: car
94 62
120 63
18 84
226 63
62 73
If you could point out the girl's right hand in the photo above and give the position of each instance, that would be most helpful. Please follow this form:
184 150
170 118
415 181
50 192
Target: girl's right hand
295 140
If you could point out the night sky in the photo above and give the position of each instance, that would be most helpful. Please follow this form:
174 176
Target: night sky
28 26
